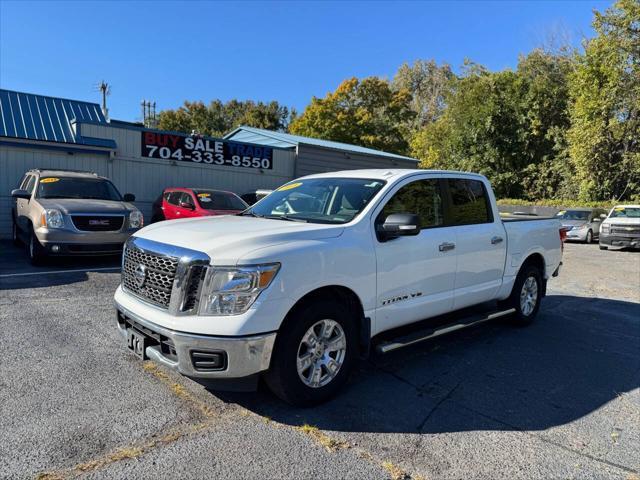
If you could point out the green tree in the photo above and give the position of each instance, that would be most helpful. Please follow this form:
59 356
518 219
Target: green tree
218 117
363 112
508 125
605 132
429 85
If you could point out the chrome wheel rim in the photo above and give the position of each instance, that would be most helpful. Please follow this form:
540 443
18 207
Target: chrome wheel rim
529 296
321 353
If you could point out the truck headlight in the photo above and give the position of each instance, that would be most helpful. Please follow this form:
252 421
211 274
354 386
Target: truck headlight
135 219
231 291
604 228
52 218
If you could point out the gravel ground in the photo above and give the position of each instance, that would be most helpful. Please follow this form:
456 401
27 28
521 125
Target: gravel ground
559 399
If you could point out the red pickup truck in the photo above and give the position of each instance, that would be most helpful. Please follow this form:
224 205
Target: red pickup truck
195 202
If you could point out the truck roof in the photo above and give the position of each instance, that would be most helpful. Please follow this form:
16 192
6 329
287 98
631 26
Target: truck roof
387 173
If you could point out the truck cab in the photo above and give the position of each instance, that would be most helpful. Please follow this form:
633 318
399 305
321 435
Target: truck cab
299 286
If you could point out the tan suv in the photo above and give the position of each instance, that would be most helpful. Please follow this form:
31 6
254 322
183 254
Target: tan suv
65 212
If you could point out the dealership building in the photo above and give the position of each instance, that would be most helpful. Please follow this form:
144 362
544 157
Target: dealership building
38 131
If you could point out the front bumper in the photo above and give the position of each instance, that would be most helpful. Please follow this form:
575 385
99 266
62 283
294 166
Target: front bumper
69 242
241 357
619 241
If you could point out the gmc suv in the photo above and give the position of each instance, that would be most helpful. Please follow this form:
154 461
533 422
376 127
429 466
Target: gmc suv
64 212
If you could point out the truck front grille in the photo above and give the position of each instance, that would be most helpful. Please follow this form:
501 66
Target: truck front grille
148 275
625 230
98 223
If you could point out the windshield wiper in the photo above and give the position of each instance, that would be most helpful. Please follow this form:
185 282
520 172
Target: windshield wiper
249 213
286 218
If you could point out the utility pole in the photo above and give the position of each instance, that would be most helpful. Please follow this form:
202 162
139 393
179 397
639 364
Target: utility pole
105 90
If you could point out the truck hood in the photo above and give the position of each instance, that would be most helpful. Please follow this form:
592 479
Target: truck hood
623 221
226 239
76 205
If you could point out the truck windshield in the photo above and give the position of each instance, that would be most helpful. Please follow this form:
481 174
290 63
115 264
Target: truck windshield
213 200
318 200
573 215
75 187
628 212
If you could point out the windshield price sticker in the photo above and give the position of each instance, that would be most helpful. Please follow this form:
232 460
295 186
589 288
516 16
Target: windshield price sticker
196 149
49 180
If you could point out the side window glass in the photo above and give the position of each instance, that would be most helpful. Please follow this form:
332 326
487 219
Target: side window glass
422 198
469 202
186 198
30 184
23 182
174 198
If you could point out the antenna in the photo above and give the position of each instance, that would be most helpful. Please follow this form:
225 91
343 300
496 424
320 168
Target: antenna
105 90
149 118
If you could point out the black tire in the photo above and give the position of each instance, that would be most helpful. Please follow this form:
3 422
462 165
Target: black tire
520 317
14 234
156 218
589 238
283 378
36 252
603 247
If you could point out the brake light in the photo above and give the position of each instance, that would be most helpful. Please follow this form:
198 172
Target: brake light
563 235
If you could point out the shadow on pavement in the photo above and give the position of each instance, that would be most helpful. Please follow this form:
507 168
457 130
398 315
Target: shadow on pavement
579 354
17 272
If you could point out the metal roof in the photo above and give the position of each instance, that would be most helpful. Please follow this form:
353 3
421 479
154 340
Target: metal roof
286 140
38 117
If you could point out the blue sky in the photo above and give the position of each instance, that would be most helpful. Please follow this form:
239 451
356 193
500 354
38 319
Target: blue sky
285 51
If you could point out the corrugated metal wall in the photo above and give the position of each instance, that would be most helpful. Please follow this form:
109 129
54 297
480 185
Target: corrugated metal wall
313 159
132 174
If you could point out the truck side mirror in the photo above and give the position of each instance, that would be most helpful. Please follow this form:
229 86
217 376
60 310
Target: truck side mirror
19 193
398 225
129 197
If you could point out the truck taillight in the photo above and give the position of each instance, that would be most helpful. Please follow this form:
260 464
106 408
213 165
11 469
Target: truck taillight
563 236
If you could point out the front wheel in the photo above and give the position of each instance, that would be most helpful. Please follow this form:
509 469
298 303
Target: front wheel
35 250
589 238
313 354
14 234
526 295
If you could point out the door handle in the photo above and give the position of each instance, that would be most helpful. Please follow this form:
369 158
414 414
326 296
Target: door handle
446 246
496 240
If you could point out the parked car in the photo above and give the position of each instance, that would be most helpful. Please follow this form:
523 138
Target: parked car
254 197
195 202
582 224
65 212
621 228
325 268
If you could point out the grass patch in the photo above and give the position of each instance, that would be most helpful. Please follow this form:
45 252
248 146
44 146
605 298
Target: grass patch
330 444
395 471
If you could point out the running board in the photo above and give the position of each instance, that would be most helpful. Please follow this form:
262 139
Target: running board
426 334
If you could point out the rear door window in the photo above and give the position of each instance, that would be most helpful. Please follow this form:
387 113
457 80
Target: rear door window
469 202
174 198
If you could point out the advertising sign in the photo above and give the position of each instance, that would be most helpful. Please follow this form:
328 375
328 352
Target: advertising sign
199 149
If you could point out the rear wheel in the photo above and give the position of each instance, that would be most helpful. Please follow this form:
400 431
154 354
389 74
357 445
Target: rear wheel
589 238
35 250
314 353
526 295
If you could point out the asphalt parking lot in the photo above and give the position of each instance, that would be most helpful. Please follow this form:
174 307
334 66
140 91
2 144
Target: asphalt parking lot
559 399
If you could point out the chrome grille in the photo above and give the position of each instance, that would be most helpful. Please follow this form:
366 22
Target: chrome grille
167 276
625 230
160 271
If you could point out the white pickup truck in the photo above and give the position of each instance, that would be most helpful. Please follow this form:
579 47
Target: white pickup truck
300 285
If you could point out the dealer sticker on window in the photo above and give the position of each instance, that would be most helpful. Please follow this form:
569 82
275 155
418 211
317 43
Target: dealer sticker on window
49 180
290 186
